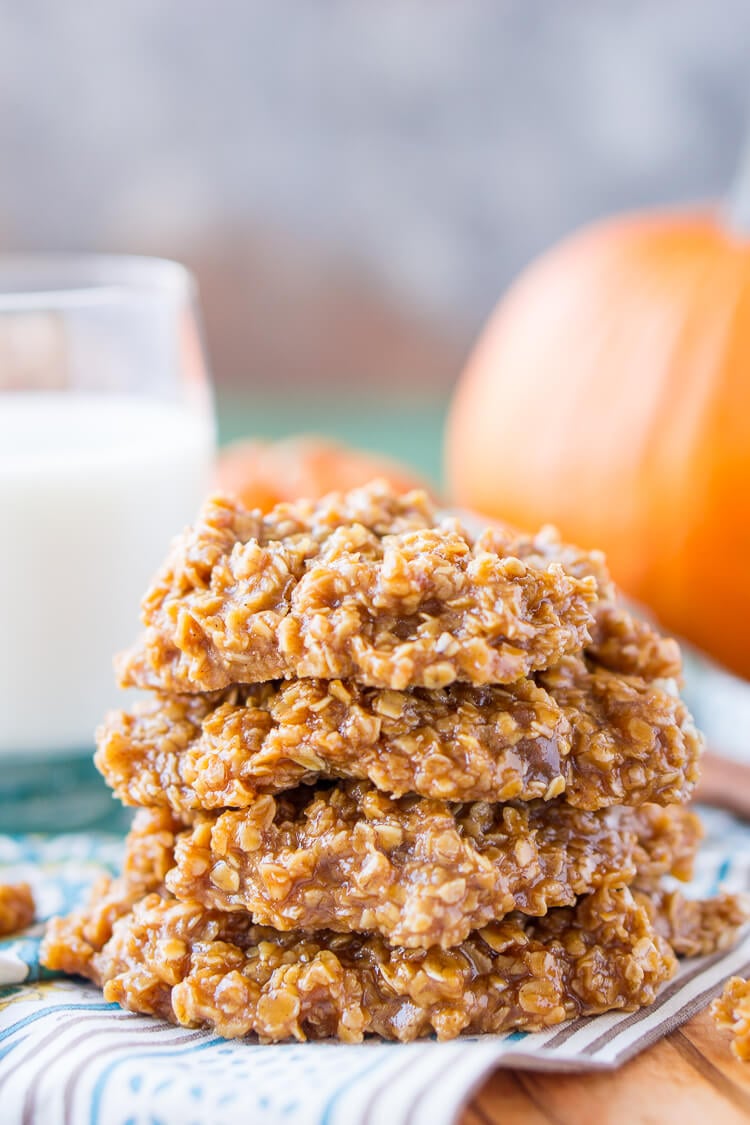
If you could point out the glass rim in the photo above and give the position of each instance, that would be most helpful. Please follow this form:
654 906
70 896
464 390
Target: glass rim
54 279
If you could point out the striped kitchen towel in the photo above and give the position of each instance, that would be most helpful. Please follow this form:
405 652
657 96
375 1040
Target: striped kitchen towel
67 1058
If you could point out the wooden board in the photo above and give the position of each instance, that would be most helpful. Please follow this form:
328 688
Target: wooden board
690 1078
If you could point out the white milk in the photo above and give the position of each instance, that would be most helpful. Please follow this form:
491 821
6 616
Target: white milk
92 489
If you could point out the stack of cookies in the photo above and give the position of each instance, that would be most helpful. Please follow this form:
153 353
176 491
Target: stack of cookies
397 777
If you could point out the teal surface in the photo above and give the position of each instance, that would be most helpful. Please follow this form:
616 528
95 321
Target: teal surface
409 429
58 794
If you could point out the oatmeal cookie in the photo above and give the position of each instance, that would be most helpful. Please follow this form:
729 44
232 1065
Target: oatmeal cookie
694 926
731 1011
201 968
420 872
582 731
17 907
366 585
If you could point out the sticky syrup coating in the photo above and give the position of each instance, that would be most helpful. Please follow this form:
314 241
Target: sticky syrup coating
595 736
419 872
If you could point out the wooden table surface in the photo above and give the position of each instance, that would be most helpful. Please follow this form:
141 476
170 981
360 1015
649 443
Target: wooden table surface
689 1077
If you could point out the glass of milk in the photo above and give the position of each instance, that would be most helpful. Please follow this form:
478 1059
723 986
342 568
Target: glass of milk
106 451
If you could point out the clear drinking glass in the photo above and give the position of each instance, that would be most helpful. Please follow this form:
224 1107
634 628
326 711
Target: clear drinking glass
107 442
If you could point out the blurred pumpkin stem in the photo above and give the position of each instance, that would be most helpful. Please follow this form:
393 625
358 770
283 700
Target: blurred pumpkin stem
735 211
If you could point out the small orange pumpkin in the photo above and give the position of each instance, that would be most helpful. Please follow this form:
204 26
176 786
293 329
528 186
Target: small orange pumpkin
610 394
263 473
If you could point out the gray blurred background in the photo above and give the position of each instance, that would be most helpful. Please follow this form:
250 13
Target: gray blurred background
355 183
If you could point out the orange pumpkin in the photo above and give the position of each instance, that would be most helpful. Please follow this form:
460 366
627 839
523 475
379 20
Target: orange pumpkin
610 394
264 473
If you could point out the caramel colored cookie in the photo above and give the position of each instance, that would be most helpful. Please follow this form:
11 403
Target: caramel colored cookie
731 1012
200 968
598 738
419 872
368 585
17 907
